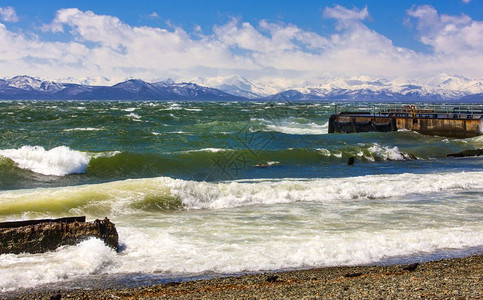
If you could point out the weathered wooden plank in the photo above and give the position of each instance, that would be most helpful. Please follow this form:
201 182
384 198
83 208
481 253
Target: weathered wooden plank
48 236
13 224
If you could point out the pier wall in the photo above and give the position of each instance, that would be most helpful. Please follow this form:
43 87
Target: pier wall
458 128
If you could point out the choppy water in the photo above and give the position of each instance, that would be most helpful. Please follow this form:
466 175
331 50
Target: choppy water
200 188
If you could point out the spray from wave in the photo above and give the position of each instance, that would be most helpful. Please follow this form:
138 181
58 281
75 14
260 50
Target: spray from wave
58 161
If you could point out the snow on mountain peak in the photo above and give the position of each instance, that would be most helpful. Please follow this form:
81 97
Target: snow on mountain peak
235 85
24 82
441 86
29 83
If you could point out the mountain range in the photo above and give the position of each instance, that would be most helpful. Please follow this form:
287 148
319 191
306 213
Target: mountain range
439 88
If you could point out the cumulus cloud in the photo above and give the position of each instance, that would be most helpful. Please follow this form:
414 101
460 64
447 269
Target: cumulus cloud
8 14
448 35
105 46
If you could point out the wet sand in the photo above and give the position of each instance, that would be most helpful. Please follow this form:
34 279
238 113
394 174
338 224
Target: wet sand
459 278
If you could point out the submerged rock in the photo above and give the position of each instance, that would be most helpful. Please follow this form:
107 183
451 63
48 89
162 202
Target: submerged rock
467 153
51 234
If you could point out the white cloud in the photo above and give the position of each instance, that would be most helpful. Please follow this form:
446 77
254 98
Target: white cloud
104 46
346 17
448 35
466 1
154 15
8 14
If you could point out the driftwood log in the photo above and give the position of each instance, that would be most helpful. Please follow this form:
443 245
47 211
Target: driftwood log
37 236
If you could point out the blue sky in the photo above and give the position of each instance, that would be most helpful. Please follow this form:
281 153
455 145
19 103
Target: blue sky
281 41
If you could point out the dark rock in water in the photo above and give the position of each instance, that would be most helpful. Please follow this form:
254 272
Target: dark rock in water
350 275
467 153
47 236
57 296
411 267
351 161
272 278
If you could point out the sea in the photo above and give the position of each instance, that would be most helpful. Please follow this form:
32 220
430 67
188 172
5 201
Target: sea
202 189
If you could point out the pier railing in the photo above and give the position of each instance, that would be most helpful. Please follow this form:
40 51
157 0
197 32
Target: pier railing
431 111
449 111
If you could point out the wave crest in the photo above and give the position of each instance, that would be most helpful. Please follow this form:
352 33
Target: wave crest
164 193
58 161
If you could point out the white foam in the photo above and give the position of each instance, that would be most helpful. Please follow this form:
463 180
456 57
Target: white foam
172 106
83 129
338 154
324 151
58 161
203 195
385 152
335 221
299 128
103 154
214 150
29 270
134 116
170 132
274 249
369 152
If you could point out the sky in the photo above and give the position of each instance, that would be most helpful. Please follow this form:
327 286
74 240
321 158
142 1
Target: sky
283 42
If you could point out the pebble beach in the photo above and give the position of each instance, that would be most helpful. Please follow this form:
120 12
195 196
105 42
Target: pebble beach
458 278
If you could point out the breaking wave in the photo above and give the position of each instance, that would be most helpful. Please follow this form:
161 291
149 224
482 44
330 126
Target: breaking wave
298 128
165 193
58 161
293 126
368 152
62 160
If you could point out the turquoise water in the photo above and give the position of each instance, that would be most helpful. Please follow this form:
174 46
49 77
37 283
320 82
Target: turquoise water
113 140
199 188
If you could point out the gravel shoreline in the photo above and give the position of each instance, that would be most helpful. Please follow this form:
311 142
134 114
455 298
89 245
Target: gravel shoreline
458 278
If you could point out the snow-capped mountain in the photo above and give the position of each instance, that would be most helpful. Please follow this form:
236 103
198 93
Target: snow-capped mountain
25 87
234 85
438 88
32 84
441 87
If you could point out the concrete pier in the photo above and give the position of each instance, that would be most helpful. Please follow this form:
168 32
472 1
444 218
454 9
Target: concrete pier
460 122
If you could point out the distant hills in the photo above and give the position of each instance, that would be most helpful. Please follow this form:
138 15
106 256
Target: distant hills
439 88
26 87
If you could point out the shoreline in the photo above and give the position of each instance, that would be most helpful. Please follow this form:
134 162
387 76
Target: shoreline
459 278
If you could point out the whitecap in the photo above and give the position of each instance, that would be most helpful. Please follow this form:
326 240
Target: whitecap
58 161
296 128
83 129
